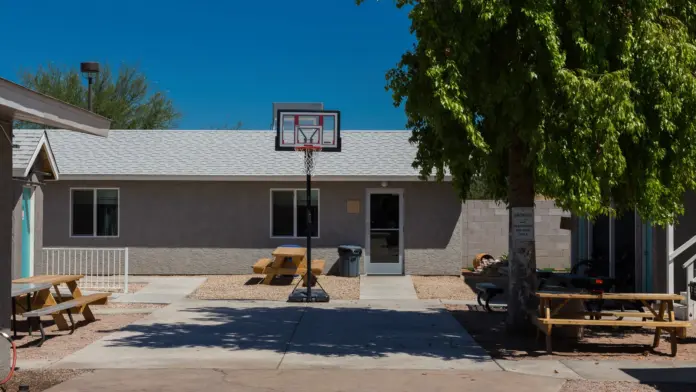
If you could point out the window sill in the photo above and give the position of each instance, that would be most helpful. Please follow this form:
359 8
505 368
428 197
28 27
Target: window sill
94 236
292 238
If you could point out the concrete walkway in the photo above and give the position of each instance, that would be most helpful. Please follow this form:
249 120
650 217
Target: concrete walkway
322 380
276 335
387 287
162 290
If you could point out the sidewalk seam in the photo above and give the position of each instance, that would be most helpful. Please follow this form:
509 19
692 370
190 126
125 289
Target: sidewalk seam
292 337
563 362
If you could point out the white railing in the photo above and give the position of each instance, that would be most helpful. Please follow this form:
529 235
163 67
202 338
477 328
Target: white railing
690 305
103 268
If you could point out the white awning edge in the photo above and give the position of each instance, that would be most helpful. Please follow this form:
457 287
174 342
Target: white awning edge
27 105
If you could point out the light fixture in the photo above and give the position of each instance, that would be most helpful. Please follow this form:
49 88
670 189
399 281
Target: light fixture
384 184
89 70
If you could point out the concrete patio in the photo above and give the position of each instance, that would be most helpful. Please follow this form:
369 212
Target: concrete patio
271 335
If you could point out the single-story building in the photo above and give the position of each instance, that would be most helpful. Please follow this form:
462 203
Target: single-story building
32 164
213 202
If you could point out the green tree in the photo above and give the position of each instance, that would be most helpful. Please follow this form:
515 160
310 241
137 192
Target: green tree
125 97
591 103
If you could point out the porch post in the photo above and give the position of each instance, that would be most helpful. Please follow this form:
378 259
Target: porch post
6 210
670 262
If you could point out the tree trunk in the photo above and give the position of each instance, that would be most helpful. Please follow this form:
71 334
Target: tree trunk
522 254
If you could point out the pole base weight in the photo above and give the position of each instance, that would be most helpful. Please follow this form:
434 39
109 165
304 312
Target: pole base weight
300 295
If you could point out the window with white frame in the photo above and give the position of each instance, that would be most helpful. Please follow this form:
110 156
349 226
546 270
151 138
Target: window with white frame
288 212
94 212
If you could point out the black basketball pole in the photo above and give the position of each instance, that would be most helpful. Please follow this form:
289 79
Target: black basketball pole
309 232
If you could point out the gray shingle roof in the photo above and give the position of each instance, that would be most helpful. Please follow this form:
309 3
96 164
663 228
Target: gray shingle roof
27 140
225 153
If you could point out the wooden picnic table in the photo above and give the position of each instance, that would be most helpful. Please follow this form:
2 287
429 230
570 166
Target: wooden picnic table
25 289
19 289
284 251
45 299
287 261
659 318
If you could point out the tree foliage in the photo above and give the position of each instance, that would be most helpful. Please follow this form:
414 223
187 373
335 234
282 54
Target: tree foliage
125 97
601 94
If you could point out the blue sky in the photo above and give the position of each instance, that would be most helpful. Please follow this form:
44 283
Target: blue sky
225 61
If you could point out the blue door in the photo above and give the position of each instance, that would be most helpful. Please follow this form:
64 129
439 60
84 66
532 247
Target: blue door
26 232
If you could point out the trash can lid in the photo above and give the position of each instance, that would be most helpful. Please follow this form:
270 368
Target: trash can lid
350 247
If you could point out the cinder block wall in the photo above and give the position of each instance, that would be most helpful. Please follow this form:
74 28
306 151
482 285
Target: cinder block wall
485 230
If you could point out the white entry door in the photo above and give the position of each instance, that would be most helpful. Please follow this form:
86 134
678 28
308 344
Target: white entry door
384 219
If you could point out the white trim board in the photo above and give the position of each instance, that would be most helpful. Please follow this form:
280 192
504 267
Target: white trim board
28 105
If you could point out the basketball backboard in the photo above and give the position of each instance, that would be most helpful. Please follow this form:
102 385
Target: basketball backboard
315 128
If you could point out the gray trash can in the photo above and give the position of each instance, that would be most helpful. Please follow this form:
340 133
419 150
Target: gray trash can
349 259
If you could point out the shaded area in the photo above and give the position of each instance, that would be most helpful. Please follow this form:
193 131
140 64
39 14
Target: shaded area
677 375
599 343
280 280
332 332
622 386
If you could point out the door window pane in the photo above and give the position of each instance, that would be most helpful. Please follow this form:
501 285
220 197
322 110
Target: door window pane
107 212
384 246
283 208
384 211
82 212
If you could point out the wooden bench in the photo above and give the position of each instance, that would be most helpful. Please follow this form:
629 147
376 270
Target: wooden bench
486 292
672 326
317 269
261 265
659 318
76 305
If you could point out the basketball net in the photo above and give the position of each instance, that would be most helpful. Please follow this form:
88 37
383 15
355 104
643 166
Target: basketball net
310 153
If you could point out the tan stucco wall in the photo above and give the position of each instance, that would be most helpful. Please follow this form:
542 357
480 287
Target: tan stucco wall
224 227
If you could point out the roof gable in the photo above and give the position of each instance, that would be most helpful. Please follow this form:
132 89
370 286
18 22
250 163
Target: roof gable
31 145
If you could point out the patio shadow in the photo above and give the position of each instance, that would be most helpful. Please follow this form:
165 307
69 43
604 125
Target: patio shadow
334 332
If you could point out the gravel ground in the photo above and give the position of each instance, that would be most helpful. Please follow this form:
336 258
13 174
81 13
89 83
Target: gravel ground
616 386
249 287
59 344
442 287
488 329
41 380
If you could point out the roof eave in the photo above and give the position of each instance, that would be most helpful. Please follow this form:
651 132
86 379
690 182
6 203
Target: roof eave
137 177
28 105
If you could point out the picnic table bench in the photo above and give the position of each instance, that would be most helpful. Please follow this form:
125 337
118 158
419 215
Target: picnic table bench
287 261
486 292
24 290
77 305
44 303
660 319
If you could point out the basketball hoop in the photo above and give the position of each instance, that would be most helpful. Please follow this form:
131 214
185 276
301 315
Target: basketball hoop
310 153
